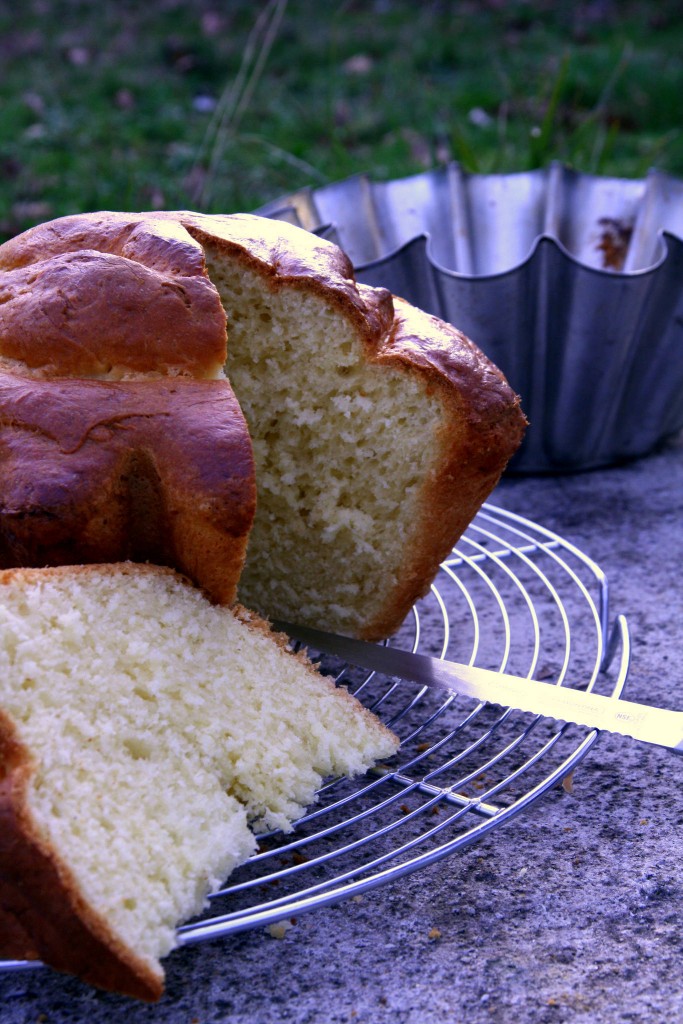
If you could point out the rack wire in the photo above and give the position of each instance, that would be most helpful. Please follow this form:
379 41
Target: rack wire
512 596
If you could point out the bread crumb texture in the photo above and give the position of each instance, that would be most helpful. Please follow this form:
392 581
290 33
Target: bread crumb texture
279 929
163 730
341 453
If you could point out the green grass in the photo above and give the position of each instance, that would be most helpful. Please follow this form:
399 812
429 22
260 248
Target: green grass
224 106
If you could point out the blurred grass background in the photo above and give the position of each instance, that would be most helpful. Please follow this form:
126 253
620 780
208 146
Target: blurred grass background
222 106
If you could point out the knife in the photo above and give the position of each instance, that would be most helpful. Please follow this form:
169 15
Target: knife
660 726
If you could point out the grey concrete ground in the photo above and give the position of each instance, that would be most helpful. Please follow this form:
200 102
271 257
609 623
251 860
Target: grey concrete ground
572 913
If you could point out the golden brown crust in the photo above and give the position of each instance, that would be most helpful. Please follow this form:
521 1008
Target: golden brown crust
29 577
96 470
87 294
42 913
287 256
100 471
482 427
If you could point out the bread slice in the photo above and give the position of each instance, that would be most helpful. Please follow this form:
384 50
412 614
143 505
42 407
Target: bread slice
144 734
378 430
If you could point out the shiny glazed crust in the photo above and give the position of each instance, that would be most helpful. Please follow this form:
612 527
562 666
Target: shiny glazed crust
95 470
99 471
85 295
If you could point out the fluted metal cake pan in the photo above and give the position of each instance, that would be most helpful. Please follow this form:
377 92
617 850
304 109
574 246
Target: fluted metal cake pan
571 283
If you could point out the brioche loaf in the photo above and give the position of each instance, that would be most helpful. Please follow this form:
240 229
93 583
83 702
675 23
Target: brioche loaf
142 731
377 430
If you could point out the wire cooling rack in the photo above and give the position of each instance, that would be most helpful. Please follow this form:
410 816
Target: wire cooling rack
513 596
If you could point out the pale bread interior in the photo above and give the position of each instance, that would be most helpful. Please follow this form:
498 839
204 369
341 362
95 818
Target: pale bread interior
162 726
342 446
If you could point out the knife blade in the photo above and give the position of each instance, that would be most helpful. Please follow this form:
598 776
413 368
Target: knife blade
659 726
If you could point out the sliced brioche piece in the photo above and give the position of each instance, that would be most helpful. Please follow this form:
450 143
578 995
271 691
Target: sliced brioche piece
142 729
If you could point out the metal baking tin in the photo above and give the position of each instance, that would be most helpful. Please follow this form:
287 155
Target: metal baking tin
571 283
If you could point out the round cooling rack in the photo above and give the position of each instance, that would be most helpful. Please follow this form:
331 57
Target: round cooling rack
512 596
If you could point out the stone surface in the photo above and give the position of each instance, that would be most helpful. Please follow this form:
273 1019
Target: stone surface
571 913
